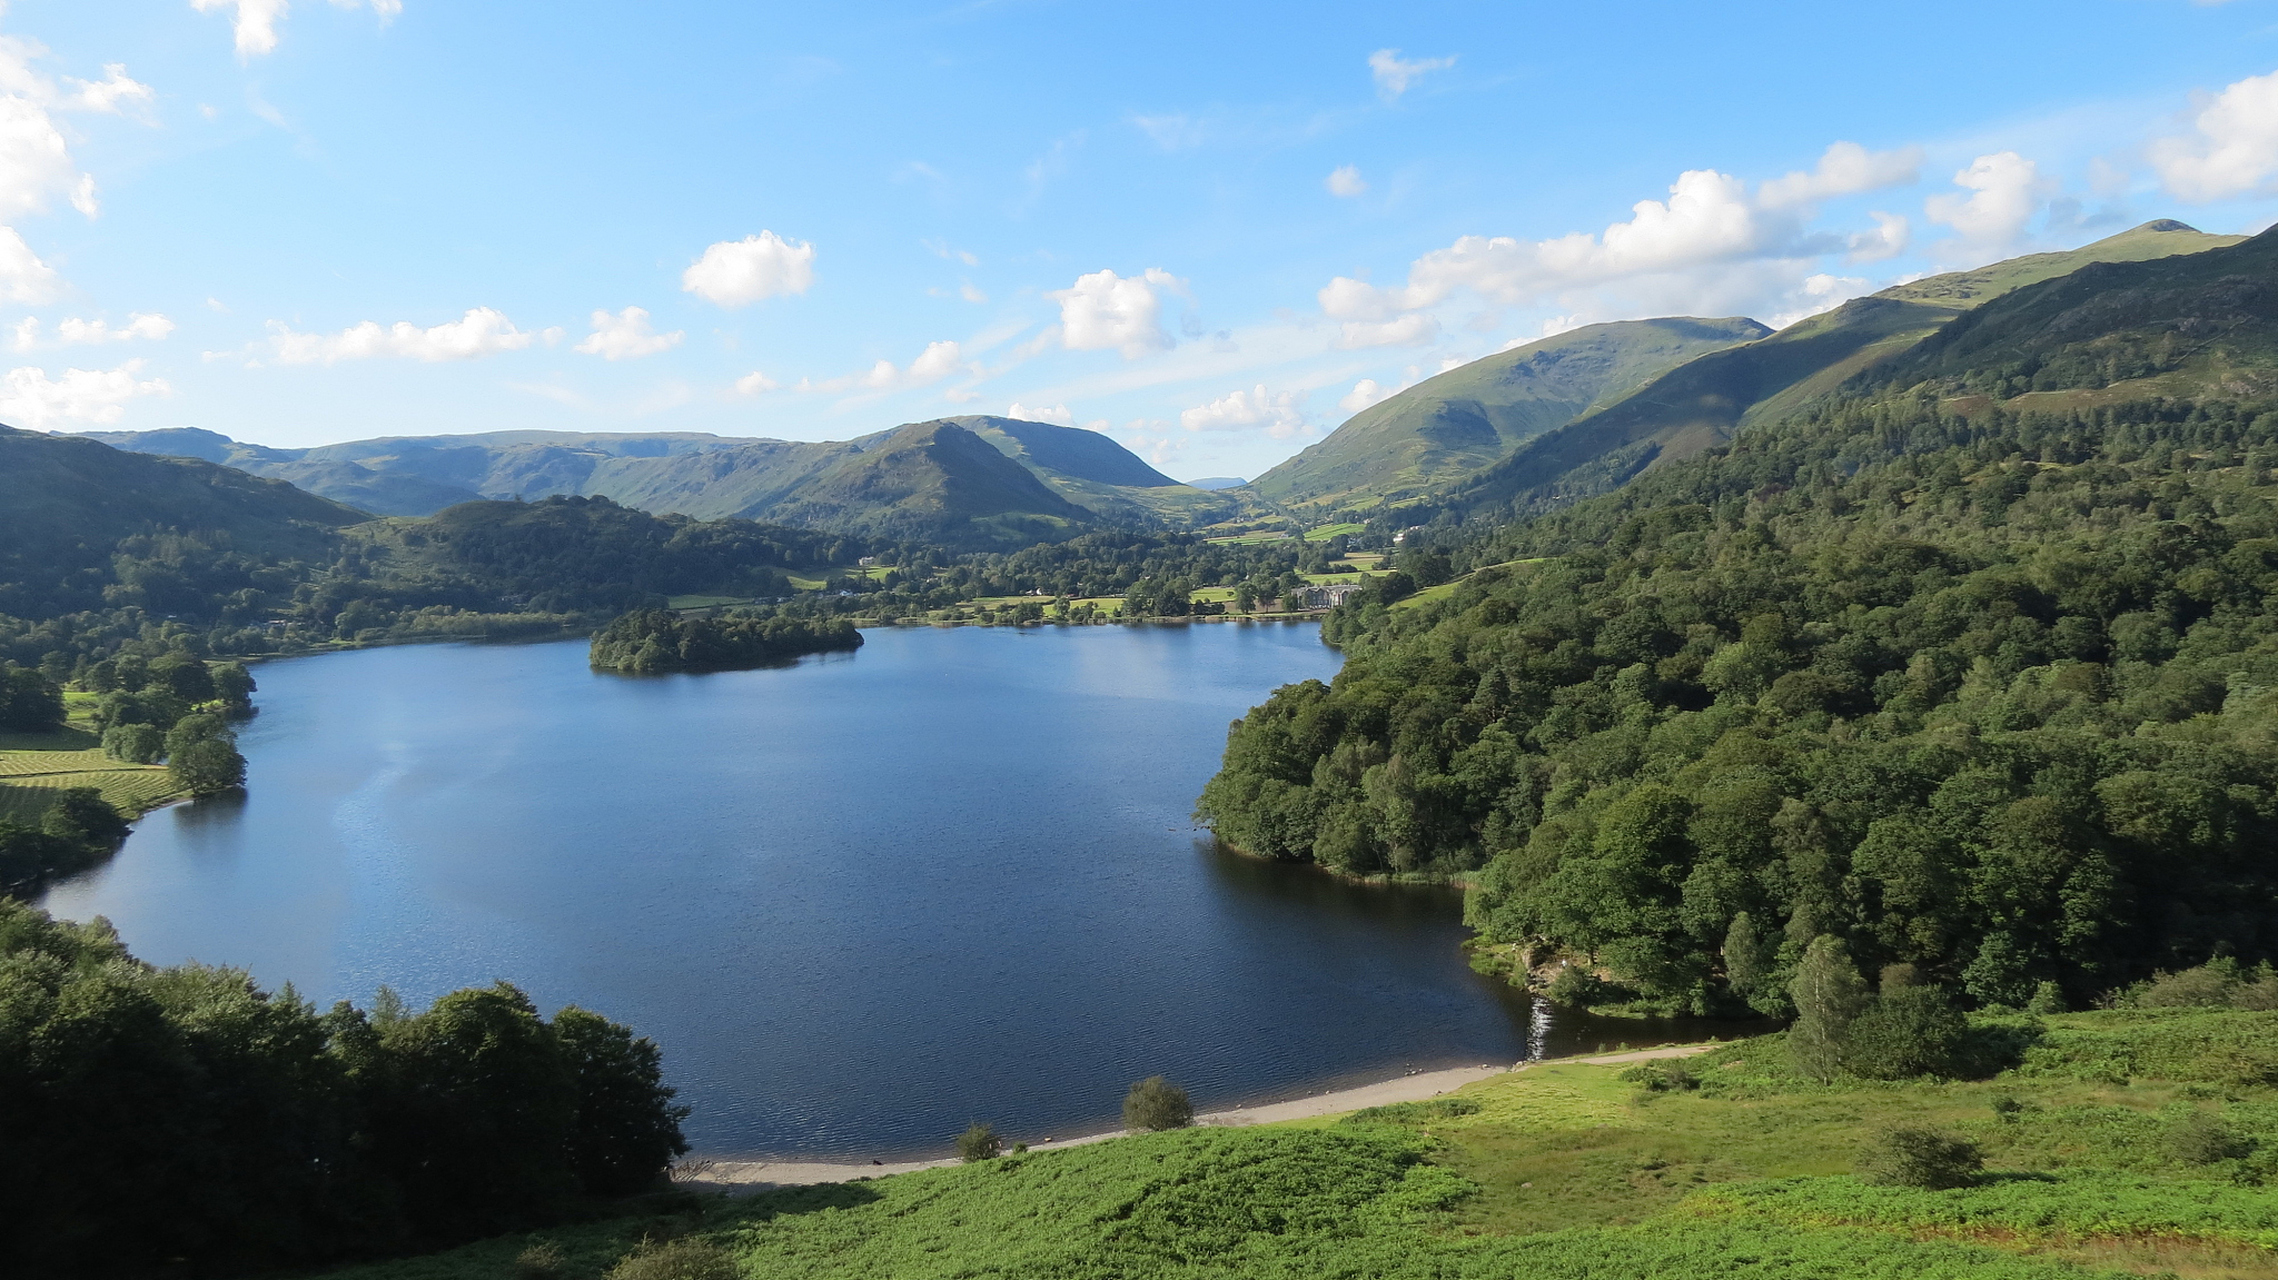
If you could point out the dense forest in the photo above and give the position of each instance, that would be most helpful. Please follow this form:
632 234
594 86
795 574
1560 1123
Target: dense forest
650 640
1990 695
184 1117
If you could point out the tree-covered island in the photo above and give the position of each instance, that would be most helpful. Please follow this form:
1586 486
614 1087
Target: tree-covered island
661 640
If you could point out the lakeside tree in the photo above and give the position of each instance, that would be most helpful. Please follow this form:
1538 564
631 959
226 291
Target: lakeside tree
1155 1104
207 767
980 1141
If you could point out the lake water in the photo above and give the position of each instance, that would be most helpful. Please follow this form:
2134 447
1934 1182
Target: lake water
860 901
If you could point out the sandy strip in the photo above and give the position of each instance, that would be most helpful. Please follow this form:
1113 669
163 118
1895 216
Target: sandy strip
757 1175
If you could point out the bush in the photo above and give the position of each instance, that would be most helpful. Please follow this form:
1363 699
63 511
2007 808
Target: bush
1155 1104
2203 1138
980 1142
541 1261
1924 1158
684 1259
1907 1032
1414 1112
1661 1077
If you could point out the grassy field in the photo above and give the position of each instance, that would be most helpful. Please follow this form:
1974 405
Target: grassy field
1730 1166
33 767
1328 531
1261 535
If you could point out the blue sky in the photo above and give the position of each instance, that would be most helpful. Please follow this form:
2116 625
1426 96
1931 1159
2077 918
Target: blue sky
1214 231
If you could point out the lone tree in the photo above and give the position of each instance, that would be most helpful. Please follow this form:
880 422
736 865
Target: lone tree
208 768
979 1142
1828 994
1155 1104
1925 1158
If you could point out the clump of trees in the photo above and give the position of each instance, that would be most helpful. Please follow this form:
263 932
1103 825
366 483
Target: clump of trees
649 640
175 709
184 1114
78 829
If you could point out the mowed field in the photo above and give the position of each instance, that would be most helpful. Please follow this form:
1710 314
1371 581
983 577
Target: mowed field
33 767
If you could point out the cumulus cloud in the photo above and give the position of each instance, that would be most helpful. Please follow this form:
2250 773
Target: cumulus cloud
756 383
1367 393
29 398
1346 182
1414 329
735 273
1103 310
627 336
1889 239
1394 74
108 95
73 331
939 360
1817 293
2232 149
35 161
1279 414
1057 414
2005 189
23 277
253 22
483 331
1845 169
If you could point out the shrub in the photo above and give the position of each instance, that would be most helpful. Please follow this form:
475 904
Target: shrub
1578 988
1155 1104
541 1261
2203 1138
1925 1158
1909 1031
1413 1112
1661 1077
684 1259
980 1142
2205 985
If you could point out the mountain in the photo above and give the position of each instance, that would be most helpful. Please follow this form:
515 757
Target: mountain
709 476
936 481
1448 426
84 526
1214 483
1704 401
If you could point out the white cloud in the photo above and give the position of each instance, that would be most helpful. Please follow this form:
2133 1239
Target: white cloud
483 331
1346 182
74 331
2234 149
942 249
1058 414
34 162
254 22
1394 75
966 291
756 383
734 273
1889 239
939 360
1281 414
1414 329
107 95
23 277
1367 393
1817 293
29 398
2006 191
627 336
1103 310
1846 169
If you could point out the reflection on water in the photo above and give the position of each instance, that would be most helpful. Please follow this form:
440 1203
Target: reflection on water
860 901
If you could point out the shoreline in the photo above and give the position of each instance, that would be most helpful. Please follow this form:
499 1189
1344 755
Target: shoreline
740 1177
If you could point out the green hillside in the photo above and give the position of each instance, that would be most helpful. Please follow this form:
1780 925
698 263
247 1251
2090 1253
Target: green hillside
1448 426
1702 403
1100 475
934 480
385 492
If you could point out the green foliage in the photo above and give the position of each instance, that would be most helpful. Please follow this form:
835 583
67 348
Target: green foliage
29 701
1828 995
241 1130
980 1141
1156 1104
134 743
686 1258
627 1129
659 640
81 814
541 1261
1925 1158
1903 1033
207 767
2220 982
2203 1138
1414 1112
2084 1204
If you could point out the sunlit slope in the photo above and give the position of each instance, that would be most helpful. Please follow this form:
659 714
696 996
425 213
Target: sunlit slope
1094 472
1448 426
1703 402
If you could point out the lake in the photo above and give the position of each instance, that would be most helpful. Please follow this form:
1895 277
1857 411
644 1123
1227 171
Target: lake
860 901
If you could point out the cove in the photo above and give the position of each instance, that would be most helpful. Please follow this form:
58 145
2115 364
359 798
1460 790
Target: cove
860 901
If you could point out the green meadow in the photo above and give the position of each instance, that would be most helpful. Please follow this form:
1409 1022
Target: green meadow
2132 1142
